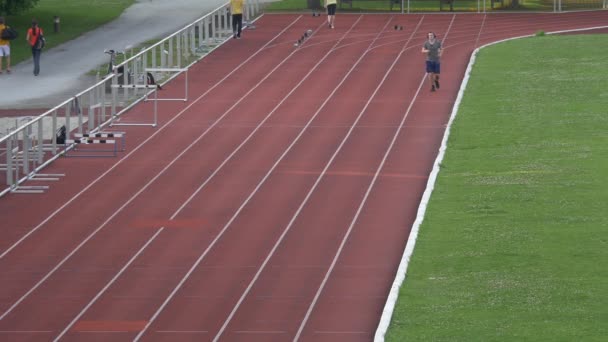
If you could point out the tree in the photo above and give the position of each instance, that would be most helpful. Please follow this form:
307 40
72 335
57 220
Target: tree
11 7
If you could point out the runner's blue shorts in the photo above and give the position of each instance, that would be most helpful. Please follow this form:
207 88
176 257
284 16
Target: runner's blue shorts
433 67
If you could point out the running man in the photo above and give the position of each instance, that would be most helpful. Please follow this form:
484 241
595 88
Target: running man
433 50
331 12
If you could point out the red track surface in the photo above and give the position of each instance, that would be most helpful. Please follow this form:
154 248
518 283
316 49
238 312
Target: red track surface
267 208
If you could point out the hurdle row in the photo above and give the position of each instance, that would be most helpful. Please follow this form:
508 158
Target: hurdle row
24 154
98 106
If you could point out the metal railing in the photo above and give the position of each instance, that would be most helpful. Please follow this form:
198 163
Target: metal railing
29 147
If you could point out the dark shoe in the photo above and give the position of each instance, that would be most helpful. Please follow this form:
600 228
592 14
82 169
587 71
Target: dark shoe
432 88
437 84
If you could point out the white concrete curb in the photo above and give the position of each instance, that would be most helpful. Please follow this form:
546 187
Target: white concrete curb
389 307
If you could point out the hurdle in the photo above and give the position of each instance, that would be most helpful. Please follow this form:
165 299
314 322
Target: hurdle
248 24
175 70
251 7
119 135
152 87
98 152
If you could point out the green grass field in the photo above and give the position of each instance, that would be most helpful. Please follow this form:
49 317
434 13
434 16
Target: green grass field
77 17
514 244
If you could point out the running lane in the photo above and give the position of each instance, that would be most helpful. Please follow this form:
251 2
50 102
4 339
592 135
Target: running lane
214 263
205 214
200 306
45 276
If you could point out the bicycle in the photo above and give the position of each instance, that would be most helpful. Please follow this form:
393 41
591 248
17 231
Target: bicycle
148 77
112 64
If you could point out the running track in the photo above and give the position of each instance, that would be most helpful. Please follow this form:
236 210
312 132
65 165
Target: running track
273 206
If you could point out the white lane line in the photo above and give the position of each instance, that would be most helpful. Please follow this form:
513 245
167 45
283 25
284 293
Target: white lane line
160 129
229 223
296 214
103 332
182 331
480 30
125 204
364 200
260 332
227 159
341 332
81 313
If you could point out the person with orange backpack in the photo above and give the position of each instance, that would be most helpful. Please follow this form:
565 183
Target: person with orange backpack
35 37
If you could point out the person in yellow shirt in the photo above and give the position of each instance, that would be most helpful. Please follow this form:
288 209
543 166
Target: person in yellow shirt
236 8
331 12
5 49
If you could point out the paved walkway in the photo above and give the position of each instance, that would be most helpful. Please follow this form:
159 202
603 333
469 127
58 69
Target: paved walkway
64 68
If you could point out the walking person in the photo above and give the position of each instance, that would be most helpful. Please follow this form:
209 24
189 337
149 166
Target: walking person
331 12
236 8
433 50
5 49
34 35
